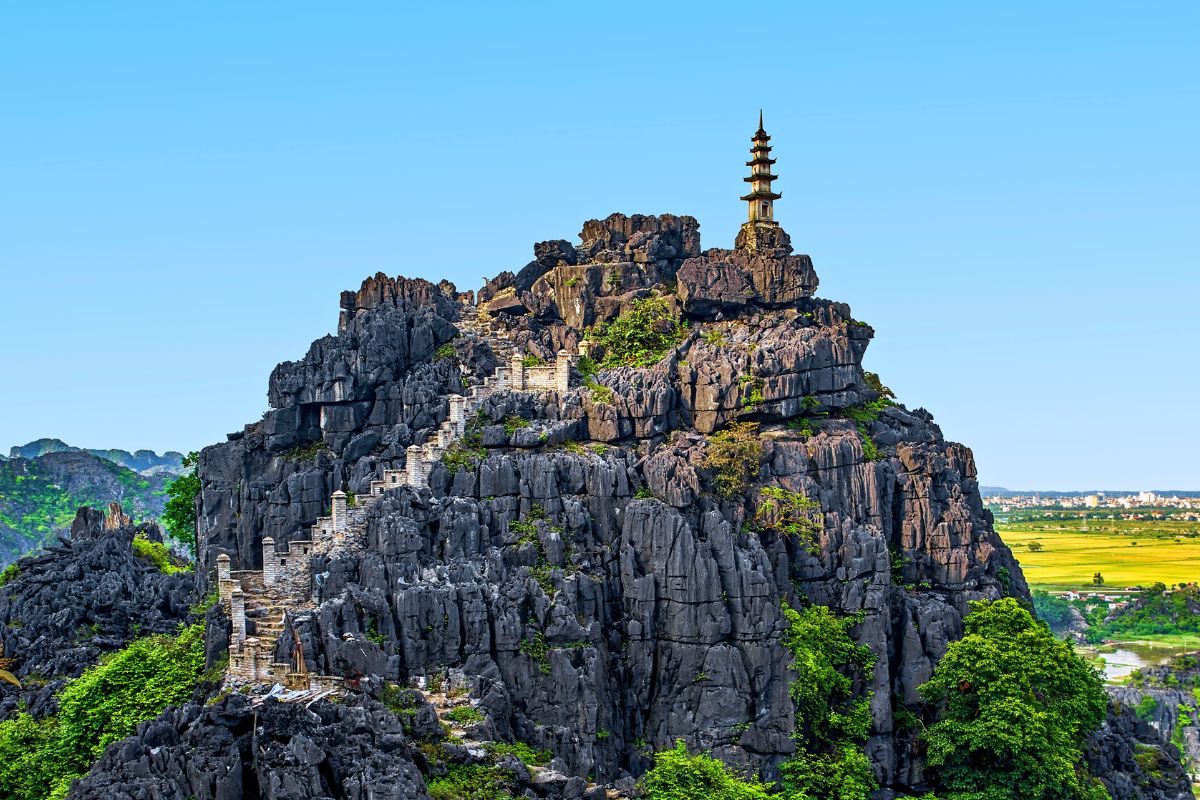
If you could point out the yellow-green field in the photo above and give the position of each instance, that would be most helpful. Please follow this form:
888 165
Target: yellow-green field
1165 551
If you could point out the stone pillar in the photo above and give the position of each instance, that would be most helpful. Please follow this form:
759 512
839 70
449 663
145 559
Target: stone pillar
237 613
457 406
584 348
270 562
338 502
443 438
562 371
415 466
518 373
224 582
251 658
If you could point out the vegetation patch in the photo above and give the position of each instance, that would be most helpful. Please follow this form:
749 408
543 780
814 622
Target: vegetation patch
733 456
470 782
1006 684
9 574
157 554
465 715
679 775
832 719
790 513
445 352
600 393
40 758
522 751
640 337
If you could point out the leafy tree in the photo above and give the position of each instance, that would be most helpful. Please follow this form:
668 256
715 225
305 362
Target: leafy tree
679 775
1051 609
1036 547
1015 705
179 515
832 720
1098 579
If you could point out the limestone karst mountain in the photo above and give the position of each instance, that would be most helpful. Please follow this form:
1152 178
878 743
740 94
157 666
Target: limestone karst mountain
573 568
514 542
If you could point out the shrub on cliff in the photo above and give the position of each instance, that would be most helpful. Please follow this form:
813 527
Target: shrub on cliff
733 455
832 720
640 337
679 775
179 515
1015 705
40 758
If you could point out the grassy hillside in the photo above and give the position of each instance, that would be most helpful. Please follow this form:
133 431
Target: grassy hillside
39 496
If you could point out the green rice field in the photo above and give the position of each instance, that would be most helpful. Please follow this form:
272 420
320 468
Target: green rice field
1125 552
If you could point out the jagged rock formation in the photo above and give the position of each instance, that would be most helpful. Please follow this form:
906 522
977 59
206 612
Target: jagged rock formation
576 564
85 597
1133 761
1166 697
639 596
233 749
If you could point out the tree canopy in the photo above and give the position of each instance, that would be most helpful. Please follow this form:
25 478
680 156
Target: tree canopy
1015 705
179 514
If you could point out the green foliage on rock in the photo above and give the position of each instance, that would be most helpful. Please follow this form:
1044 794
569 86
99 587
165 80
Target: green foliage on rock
179 515
641 336
40 758
790 513
1015 705
10 573
157 554
470 782
679 775
1052 609
832 719
733 456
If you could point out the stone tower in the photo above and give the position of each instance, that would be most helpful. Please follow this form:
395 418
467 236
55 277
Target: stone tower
761 233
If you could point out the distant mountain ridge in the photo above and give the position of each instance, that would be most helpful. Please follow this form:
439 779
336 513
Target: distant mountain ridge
1000 491
40 496
140 461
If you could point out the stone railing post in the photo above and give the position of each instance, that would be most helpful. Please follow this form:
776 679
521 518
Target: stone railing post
251 658
338 503
457 406
518 372
414 466
224 581
562 371
237 613
270 563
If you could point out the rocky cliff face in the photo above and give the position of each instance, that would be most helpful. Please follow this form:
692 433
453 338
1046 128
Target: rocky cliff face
581 575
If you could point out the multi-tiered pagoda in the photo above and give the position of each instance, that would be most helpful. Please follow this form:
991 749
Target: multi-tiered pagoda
761 197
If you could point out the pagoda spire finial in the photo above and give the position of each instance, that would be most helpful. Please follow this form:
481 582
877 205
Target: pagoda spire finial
761 198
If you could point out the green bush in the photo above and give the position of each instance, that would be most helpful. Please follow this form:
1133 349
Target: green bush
600 393
679 775
1146 707
469 782
521 750
641 336
9 574
870 449
179 513
445 351
39 758
465 715
790 513
1014 707
733 455
157 554
513 423
832 721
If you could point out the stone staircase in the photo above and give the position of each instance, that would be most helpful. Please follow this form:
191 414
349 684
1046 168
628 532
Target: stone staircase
285 583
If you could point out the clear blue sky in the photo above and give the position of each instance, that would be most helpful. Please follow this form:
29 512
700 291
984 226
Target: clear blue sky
1008 194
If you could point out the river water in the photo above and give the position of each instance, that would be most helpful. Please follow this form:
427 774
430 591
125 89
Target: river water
1122 658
